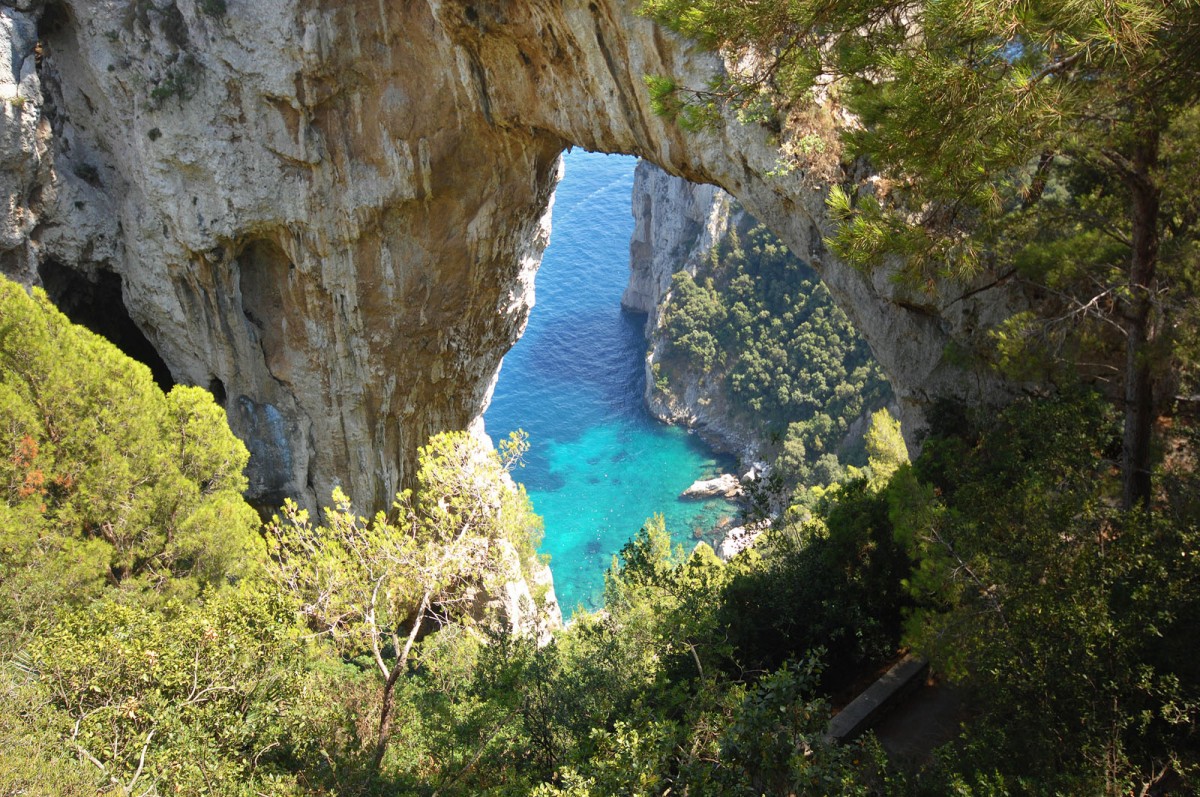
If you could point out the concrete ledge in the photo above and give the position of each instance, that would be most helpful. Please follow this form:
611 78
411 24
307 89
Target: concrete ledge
866 709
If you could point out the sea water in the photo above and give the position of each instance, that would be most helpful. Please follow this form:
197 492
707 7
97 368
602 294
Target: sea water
599 465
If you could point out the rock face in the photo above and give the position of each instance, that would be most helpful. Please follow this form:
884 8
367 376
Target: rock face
24 139
676 224
330 213
726 486
704 409
740 539
514 602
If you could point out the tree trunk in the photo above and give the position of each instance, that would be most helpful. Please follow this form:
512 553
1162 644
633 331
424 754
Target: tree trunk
1139 395
389 686
385 717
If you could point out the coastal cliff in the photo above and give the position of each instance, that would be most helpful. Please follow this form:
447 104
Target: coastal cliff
677 225
331 214
743 344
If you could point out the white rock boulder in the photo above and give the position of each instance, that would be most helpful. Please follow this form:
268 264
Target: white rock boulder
724 486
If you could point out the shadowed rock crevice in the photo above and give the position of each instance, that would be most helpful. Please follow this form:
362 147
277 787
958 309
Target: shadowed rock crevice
268 435
264 274
95 301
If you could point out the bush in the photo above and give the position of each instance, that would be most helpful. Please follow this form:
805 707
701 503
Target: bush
1067 617
105 480
831 583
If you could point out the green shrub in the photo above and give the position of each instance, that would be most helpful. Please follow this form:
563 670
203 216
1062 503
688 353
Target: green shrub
104 480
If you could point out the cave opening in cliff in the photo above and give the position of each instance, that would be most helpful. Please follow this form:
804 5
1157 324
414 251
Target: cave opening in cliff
95 301
263 269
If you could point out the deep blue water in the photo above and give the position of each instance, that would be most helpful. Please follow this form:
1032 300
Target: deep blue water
599 465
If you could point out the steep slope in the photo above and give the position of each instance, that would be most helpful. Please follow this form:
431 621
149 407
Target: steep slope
676 224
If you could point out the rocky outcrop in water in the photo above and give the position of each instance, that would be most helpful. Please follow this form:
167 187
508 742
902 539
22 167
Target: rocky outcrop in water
330 214
724 486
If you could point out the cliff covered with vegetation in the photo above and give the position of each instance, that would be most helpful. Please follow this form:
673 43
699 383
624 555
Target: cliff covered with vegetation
745 344
329 215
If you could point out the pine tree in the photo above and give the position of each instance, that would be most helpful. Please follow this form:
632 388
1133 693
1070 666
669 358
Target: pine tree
1006 135
104 480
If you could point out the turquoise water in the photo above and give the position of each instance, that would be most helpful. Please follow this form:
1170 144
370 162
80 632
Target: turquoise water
598 465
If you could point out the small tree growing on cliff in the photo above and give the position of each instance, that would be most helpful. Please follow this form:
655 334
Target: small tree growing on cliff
379 584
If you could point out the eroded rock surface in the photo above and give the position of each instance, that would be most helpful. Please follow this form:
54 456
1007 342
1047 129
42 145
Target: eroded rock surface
676 224
24 137
330 213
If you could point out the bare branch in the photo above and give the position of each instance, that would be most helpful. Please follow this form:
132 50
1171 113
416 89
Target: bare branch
1055 68
83 751
374 635
141 761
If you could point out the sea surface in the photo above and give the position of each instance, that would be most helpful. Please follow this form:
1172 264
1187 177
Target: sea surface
599 465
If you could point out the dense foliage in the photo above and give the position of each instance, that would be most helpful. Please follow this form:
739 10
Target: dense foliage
152 644
762 329
107 483
358 657
201 696
376 585
1073 621
844 568
356 660
1050 145
135 643
647 697
1052 142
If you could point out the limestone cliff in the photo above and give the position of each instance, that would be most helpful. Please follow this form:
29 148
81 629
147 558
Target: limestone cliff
676 224
680 226
330 213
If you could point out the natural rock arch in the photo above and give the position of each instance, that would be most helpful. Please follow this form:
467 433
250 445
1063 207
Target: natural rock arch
391 164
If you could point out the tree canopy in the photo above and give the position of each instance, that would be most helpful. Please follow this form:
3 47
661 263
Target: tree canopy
1001 549
1053 141
377 584
1070 619
758 327
107 481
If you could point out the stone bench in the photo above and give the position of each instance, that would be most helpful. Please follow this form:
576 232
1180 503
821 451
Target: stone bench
863 711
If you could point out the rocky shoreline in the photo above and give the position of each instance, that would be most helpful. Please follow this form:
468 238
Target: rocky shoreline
678 225
724 486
